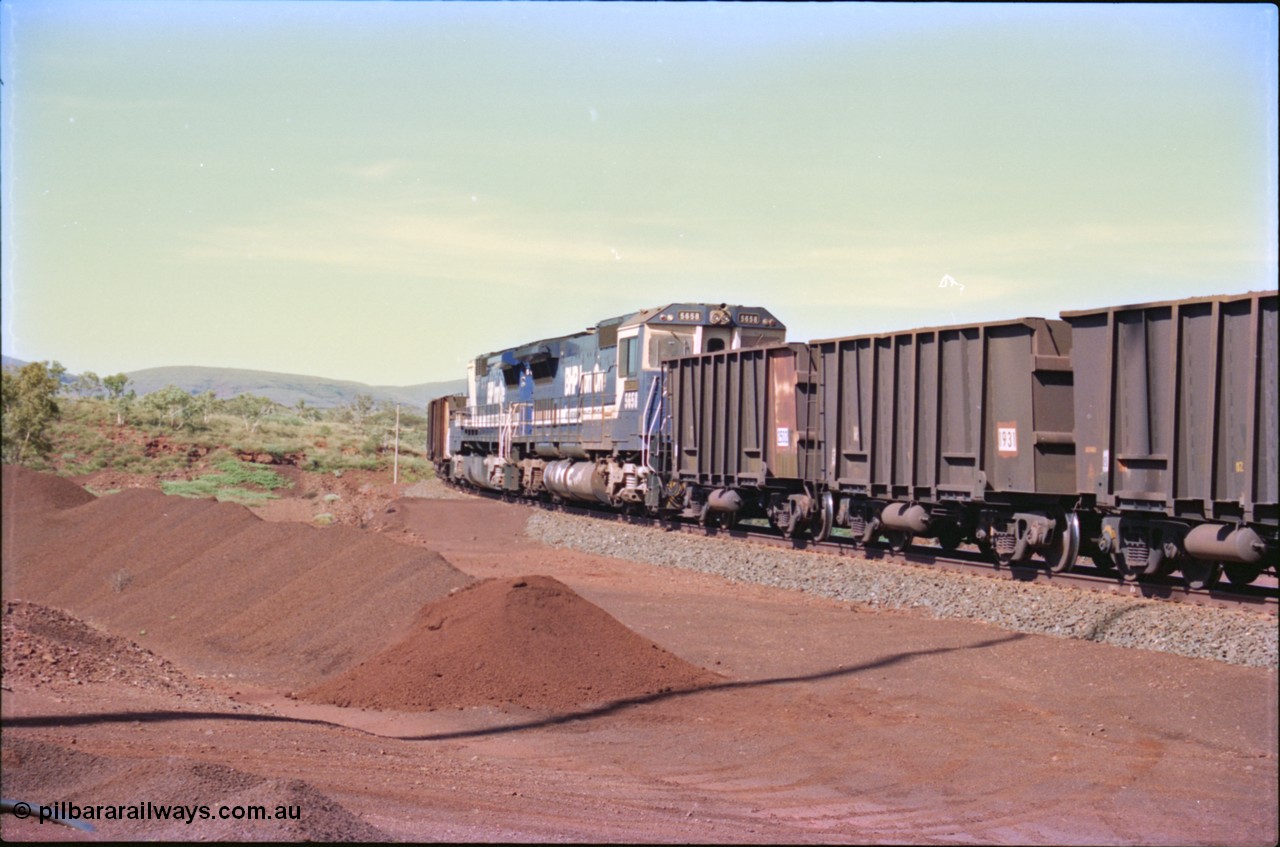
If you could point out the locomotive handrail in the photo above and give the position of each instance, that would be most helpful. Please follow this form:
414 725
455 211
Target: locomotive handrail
647 428
506 432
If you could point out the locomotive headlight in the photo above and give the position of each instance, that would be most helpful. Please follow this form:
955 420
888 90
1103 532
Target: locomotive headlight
719 316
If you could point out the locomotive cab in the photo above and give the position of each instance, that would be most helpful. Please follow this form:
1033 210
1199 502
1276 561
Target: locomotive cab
648 338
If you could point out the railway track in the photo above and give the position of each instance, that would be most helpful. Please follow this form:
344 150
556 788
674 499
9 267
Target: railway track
1084 575
1263 598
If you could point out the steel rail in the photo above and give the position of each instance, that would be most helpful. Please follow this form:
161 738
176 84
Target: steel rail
1086 577
1083 576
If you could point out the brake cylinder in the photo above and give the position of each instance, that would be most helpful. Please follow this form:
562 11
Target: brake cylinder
905 516
1223 543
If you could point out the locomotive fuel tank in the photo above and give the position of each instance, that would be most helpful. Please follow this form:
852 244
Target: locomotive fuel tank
581 481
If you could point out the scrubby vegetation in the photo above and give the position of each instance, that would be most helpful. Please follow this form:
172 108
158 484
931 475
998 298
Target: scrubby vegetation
28 397
230 483
95 423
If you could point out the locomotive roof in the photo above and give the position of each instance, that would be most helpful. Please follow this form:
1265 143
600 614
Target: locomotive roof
676 313
670 314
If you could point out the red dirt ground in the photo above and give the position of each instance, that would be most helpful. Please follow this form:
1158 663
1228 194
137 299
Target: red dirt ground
155 648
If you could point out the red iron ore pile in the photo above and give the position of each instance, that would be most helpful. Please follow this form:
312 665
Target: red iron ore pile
289 606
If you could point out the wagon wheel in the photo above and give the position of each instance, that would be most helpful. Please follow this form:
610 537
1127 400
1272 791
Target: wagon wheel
899 539
987 550
949 537
1061 555
1201 574
1241 574
1104 561
824 519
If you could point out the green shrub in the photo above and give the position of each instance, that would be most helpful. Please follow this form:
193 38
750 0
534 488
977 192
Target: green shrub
241 473
413 469
229 483
205 486
93 434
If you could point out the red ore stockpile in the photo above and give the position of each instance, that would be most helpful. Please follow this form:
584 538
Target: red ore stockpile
26 493
210 585
529 641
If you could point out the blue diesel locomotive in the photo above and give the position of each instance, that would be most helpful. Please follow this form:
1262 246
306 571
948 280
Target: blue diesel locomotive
580 417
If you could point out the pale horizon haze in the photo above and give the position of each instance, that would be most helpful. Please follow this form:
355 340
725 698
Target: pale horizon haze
379 191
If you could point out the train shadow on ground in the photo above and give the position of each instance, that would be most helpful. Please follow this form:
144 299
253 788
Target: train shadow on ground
592 713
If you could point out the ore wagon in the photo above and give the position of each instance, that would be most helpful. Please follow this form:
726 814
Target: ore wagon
744 437
1176 429
960 433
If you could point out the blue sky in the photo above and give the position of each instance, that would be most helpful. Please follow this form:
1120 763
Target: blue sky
380 191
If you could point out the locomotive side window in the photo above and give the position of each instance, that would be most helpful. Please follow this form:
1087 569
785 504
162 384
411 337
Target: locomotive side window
665 344
761 338
545 371
628 357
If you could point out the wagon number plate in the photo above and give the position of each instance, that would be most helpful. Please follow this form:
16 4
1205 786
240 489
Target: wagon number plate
1007 439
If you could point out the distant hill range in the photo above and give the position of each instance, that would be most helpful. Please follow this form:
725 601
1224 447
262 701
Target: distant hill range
287 389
